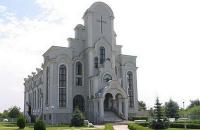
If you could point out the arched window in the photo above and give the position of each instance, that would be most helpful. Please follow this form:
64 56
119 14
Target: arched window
62 85
102 55
96 62
130 88
47 86
79 72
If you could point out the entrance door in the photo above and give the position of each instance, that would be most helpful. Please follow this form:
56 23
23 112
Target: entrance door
108 102
79 102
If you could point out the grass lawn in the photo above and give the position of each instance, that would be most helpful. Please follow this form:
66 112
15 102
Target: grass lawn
179 129
7 126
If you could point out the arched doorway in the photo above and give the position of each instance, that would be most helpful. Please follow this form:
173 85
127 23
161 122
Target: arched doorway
79 102
108 104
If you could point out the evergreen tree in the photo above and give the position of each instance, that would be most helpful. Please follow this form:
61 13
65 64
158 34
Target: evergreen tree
171 109
77 118
159 122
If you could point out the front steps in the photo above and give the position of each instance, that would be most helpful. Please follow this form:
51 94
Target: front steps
110 117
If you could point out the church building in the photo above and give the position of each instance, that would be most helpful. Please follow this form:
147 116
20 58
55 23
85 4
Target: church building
91 74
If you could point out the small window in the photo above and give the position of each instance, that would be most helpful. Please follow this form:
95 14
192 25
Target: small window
102 55
44 117
96 62
49 116
78 68
79 74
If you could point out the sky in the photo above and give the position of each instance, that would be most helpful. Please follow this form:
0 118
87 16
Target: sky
163 34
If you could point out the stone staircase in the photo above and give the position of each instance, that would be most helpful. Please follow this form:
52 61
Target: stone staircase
110 116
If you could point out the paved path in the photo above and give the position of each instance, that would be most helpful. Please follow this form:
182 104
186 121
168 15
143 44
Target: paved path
120 127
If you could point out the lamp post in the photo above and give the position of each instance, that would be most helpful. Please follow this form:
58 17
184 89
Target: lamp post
52 107
184 116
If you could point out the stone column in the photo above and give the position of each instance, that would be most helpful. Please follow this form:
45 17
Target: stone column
101 109
125 106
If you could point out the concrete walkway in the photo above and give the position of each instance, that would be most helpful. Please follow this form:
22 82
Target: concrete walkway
120 127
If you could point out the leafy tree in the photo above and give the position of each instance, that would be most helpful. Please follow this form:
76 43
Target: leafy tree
5 114
194 112
159 122
14 112
194 103
171 109
142 105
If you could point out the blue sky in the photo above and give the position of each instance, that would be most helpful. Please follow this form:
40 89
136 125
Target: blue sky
163 34
21 8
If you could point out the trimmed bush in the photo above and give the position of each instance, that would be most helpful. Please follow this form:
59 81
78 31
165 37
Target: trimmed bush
182 125
108 127
189 121
133 126
77 118
21 122
159 124
39 125
146 124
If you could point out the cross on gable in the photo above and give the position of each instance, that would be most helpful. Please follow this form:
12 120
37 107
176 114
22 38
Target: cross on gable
101 21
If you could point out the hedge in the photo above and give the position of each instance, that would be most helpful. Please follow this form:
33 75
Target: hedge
146 124
108 127
133 126
190 121
182 125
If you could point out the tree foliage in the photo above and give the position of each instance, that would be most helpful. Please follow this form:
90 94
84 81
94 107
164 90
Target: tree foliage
141 105
21 122
194 103
171 109
14 112
5 114
39 125
77 118
158 122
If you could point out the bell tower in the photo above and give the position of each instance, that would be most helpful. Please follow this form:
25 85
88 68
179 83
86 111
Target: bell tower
98 20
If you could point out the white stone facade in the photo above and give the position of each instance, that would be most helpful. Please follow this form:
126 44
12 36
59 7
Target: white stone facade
91 74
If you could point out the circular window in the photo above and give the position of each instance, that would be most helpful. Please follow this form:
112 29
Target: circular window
107 78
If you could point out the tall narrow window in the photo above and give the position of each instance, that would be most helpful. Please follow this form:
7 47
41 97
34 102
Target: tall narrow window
38 98
102 55
130 88
79 73
62 86
96 62
47 86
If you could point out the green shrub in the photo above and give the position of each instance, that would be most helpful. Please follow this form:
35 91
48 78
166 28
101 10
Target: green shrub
182 125
21 122
159 124
77 118
133 126
108 127
39 125
146 124
189 121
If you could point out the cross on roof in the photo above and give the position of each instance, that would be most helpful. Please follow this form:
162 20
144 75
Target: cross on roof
101 21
